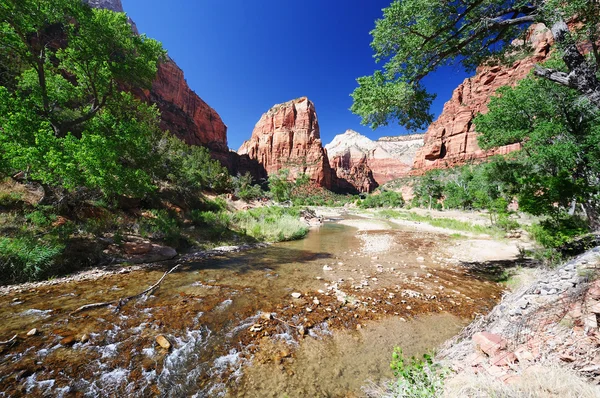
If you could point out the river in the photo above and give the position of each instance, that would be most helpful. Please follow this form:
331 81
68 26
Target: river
234 326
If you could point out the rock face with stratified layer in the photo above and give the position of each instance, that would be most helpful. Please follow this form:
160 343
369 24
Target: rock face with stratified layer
288 137
369 163
185 114
452 139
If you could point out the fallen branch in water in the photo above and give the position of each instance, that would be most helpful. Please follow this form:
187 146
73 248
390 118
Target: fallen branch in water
7 342
122 301
287 323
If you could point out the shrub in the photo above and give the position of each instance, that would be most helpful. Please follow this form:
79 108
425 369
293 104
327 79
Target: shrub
556 233
244 189
214 224
191 167
162 226
273 224
388 199
26 258
416 377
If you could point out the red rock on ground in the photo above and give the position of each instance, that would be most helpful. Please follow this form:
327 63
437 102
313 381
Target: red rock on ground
452 139
288 137
489 343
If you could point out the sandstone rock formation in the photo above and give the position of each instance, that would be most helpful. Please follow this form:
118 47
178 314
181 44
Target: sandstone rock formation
452 139
369 163
185 114
288 137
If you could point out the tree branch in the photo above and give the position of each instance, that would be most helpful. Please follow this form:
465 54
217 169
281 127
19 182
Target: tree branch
553 75
122 301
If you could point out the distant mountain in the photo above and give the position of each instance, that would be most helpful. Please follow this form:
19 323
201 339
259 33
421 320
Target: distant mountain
388 158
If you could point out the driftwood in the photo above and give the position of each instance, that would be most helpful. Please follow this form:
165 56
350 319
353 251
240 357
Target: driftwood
122 301
10 341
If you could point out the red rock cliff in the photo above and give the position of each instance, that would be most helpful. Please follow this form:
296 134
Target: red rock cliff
183 112
288 137
452 139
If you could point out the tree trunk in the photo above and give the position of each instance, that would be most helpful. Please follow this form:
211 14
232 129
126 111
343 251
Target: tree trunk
581 75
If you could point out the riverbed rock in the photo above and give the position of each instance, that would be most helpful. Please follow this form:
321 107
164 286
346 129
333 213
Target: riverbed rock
68 341
142 253
136 248
32 332
163 342
296 295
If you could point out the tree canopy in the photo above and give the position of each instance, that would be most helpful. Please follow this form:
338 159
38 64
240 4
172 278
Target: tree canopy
67 117
416 37
560 161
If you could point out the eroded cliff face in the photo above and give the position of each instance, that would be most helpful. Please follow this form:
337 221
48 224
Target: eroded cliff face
355 157
185 114
288 137
452 139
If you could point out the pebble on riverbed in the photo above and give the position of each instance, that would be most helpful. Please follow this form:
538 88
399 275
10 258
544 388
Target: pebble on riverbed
163 342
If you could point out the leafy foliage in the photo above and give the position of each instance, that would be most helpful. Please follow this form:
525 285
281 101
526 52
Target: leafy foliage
244 188
66 120
27 258
560 160
191 167
416 378
416 37
273 224
428 190
388 199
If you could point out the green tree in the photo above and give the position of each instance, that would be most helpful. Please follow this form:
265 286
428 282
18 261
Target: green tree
560 161
428 190
416 37
67 119
191 167
244 187
280 185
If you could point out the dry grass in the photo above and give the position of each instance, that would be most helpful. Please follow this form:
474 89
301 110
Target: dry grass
548 380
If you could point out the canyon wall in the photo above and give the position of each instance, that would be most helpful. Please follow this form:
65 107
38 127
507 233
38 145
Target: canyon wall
385 159
452 139
288 137
185 114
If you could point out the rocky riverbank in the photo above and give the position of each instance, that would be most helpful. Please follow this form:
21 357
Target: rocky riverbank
541 340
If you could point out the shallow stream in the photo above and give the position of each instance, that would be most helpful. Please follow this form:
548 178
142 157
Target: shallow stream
235 328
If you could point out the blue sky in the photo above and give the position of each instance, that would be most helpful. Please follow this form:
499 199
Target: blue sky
242 56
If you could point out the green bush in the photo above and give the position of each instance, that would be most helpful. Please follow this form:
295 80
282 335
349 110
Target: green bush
272 224
388 199
162 226
40 218
418 378
244 189
26 258
9 199
557 233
